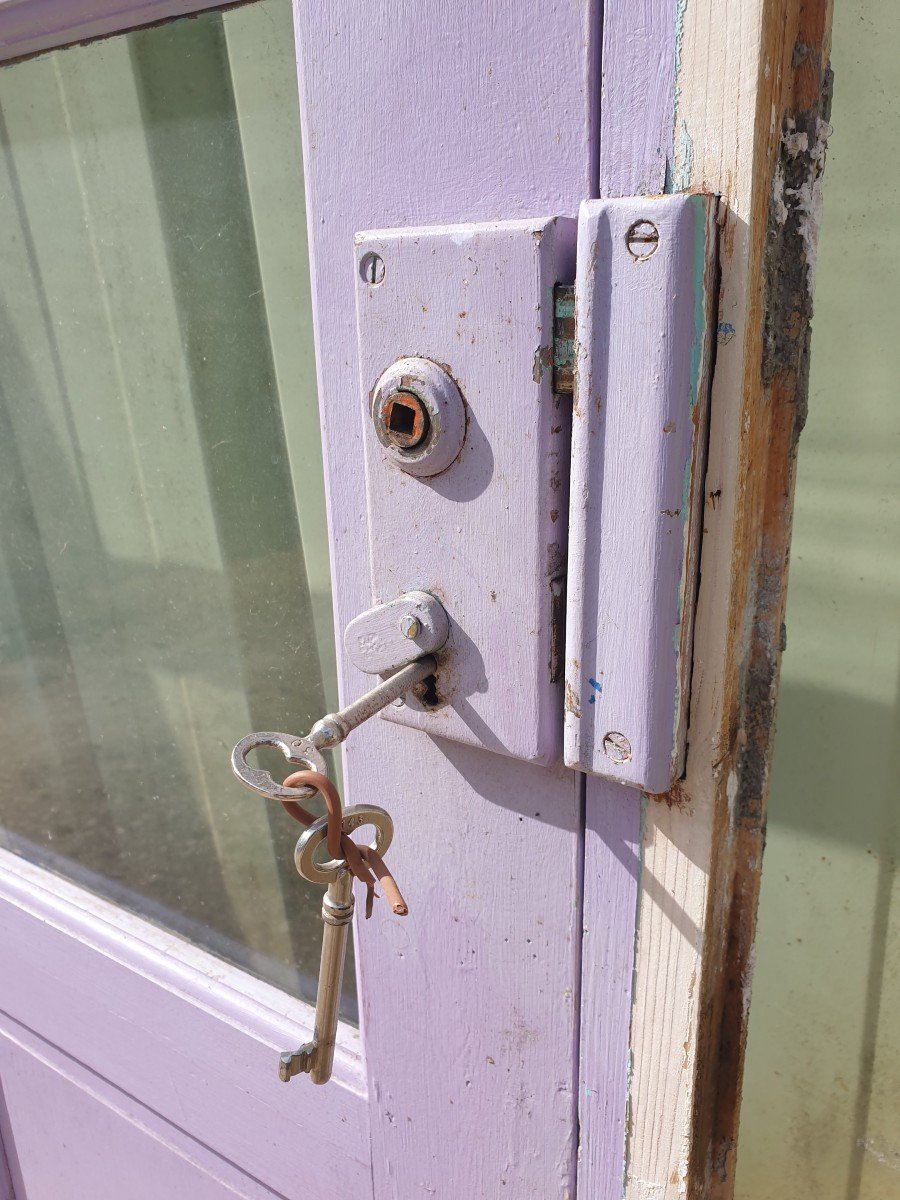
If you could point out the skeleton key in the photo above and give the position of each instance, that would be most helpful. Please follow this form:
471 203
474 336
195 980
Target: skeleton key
316 1057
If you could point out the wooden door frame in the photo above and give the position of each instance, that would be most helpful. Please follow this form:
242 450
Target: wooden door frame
732 98
750 101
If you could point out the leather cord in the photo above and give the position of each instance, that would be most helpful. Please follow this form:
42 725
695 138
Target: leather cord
361 860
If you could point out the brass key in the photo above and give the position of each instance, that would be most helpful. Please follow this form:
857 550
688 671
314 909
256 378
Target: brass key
316 1057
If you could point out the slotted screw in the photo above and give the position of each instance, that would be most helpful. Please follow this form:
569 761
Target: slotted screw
642 239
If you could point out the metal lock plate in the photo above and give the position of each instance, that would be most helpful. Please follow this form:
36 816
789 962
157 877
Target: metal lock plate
645 299
470 308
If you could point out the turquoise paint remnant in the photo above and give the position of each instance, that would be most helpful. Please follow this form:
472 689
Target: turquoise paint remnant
684 159
678 175
680 10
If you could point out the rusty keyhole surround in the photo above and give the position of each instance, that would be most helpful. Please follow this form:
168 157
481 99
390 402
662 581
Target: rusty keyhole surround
419 416
405 420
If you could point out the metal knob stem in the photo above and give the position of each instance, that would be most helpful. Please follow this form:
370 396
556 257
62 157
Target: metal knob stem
336 727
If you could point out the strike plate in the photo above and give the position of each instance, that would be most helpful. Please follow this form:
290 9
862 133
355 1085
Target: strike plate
485 534
645 299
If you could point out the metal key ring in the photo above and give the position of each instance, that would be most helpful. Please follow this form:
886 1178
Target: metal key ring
354 816
296 750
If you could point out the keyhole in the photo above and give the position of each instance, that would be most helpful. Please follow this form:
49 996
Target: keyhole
406 420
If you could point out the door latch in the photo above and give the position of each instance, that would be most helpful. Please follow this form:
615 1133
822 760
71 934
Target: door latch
472 379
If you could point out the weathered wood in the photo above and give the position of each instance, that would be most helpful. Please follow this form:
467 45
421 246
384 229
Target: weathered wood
702 842
638 65
612 848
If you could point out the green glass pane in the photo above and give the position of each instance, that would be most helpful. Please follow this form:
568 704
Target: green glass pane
164 583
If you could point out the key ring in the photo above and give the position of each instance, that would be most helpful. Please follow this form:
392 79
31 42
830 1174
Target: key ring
353 817
297 750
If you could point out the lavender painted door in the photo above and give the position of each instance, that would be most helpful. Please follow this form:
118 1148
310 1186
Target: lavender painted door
126 1033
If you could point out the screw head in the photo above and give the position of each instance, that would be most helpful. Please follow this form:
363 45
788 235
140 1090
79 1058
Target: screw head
617 747
410 627
371 269
642 239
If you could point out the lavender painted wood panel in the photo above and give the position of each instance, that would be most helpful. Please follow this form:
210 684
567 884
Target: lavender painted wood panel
611 870
638 444
30 26
637 104
73 1136
488 534
469 1006
6 1147
195 1037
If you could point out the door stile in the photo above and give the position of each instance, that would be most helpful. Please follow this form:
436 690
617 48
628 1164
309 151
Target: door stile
433 123
634 159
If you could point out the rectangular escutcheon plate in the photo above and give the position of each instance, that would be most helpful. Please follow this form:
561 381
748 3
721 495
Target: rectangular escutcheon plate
645 299
481 525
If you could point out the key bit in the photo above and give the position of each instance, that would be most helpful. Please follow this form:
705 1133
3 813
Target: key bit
295 1062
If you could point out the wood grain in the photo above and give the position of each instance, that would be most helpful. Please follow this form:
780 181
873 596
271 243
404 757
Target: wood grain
702 843
612 850
636 105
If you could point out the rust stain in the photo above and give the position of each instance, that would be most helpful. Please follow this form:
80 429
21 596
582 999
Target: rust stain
572 705
543 361
676 797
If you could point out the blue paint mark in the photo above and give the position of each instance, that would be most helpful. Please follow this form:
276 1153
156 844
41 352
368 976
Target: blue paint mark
724 333
598 687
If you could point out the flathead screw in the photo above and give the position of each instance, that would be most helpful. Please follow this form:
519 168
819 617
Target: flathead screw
617 747
642 239
371 269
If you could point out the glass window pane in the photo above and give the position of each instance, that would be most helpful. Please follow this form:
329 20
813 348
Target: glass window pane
164 584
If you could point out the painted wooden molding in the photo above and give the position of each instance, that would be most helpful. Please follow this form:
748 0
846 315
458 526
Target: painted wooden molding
201 1034
645 293
31 26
